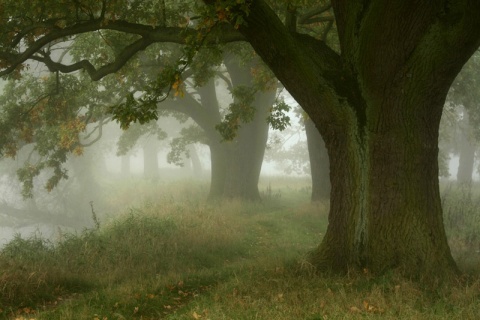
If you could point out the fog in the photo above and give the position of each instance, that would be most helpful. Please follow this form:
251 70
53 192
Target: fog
16 220
68 208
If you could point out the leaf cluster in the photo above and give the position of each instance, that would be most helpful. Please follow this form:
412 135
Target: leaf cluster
240 111
45 113
178 146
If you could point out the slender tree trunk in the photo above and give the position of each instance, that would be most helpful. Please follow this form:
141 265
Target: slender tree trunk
125 166
219 160
208 119
196 163
466 152
150 160
319 163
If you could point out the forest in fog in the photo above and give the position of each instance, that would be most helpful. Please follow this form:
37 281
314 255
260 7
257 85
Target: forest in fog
239 159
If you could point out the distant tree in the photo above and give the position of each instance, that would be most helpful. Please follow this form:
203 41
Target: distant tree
302 156
464 95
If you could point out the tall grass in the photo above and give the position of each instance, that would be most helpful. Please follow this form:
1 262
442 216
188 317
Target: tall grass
170 255
461 207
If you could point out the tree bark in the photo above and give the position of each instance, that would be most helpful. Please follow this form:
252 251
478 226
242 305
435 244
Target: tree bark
378 107
319 163
385 203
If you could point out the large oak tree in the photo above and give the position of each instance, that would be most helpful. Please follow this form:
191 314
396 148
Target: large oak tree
378 106
377 100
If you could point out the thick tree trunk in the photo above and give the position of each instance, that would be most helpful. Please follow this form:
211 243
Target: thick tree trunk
246 155
385 204
235 166
378 106
247 150
319 163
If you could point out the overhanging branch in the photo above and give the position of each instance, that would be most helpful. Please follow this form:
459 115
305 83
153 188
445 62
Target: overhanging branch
148 34
97 74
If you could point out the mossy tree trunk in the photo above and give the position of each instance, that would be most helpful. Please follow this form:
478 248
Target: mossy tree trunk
385 204
378 106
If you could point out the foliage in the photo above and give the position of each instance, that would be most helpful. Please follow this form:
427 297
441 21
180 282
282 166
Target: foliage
240 111
289 151
138 59
278 117
130 137
44 112
188 135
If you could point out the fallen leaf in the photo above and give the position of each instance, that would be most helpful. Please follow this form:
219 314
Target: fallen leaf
365 305
355 310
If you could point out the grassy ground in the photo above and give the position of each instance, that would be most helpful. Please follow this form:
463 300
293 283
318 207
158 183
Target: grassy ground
170 255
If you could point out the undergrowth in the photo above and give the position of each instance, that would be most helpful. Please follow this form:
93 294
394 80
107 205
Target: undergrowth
175 256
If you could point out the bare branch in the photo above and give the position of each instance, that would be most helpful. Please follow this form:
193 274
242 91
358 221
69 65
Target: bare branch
98 137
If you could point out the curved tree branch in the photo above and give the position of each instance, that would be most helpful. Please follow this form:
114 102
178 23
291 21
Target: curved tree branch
148 34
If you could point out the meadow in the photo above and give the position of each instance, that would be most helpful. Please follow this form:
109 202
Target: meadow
163 252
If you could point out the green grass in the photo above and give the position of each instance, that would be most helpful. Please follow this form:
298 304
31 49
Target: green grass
170 255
